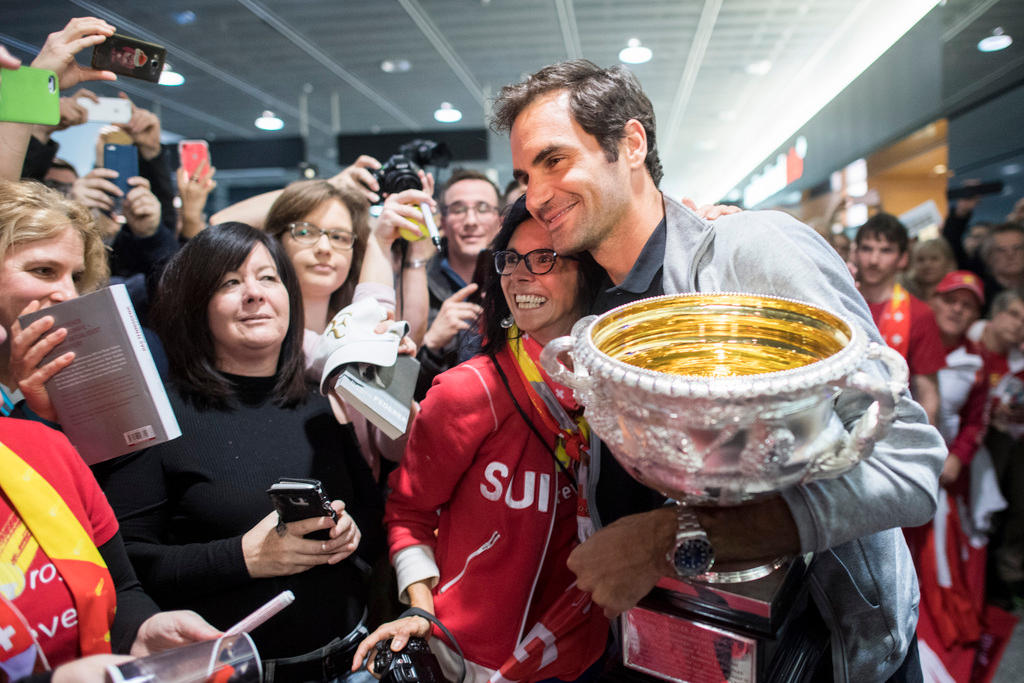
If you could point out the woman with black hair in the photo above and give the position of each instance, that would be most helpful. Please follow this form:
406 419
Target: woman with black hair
484 506
194 511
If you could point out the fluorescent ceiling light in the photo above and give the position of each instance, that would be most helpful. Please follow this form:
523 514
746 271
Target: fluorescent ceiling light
995 42
635 53
447 113
759 68
395 66
170 77
268 121
837 59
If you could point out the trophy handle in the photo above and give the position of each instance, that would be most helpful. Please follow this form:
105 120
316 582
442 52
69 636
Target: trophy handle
551 361
876 420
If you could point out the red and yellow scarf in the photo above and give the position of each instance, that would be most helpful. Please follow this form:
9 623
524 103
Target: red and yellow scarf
71 550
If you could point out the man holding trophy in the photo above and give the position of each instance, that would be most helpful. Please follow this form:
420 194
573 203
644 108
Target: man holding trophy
583 143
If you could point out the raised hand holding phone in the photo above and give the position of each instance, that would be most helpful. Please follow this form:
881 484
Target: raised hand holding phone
130 57
125 160
29 95
58 53
192 154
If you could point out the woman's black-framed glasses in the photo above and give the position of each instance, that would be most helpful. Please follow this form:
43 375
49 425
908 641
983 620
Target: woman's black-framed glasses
538 261
309 234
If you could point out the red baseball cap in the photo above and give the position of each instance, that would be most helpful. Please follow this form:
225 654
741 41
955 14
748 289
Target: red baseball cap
962 279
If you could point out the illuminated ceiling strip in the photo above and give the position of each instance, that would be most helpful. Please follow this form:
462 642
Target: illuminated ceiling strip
300 41
147 93
725 176
183 55
570 29
967 19
694 61
444 48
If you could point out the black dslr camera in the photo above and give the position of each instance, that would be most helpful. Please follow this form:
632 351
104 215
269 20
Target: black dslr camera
414 663
401 171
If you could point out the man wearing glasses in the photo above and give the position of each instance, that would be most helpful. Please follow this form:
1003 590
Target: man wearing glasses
470 220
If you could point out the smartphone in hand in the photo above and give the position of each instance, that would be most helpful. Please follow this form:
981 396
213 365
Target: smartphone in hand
130 57
483 272
192 154
125 160
107 110
29 95
298 499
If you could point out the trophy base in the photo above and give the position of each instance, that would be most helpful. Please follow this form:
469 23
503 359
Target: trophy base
758 631
741 575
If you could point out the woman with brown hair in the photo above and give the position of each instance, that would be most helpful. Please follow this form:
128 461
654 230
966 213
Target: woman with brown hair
325 232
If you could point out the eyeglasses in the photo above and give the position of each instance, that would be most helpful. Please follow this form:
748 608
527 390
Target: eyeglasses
459 209
538 261
309 234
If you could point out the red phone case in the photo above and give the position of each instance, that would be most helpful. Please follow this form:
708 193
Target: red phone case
192 154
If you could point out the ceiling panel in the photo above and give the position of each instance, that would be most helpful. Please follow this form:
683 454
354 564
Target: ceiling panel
243 56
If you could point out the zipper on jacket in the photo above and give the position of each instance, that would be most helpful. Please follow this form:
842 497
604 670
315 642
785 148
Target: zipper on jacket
488 544
555 489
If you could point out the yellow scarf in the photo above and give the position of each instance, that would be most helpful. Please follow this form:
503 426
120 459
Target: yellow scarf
69 547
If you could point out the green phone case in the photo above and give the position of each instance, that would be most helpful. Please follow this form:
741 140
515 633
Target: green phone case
29 95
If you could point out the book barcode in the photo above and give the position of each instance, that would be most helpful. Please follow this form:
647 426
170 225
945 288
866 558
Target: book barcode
139 435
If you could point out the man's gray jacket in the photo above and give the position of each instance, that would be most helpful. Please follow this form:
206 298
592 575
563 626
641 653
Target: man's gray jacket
862 577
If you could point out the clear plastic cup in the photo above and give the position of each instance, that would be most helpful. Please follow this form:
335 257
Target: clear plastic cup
229 659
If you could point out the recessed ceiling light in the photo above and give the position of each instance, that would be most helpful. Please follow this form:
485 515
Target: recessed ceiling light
759 68
170 77
268 121
184 18
939 169
635 53
995 42
1011 169
447 113
395 66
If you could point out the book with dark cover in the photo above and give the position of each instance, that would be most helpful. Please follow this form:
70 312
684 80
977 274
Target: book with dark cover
110 400
382 394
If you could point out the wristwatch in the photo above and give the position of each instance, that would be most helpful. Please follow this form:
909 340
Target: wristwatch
692 554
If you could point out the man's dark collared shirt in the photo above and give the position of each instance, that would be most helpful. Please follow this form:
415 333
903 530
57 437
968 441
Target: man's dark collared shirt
618 494
642 281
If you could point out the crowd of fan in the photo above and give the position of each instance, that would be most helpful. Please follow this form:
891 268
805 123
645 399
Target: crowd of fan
278 267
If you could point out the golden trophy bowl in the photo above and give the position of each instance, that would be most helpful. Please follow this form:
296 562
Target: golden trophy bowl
723 398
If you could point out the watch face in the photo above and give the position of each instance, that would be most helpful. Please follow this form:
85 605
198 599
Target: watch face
694 556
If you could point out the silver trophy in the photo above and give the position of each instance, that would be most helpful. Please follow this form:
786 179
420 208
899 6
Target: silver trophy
721 399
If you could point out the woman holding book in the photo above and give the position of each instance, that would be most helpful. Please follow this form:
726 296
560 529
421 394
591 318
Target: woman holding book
50 251
194 511
66 568
486 500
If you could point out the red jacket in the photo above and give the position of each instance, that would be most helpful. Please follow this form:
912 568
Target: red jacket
504 516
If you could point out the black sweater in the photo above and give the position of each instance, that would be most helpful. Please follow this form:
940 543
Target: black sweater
185 504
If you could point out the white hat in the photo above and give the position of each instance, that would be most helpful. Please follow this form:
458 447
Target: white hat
349 338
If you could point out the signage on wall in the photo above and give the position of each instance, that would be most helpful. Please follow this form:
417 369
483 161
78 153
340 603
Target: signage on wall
776 175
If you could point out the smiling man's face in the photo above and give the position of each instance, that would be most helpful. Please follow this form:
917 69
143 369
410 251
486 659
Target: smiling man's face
572 189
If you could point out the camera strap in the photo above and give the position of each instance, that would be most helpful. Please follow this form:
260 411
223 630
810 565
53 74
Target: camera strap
417 612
